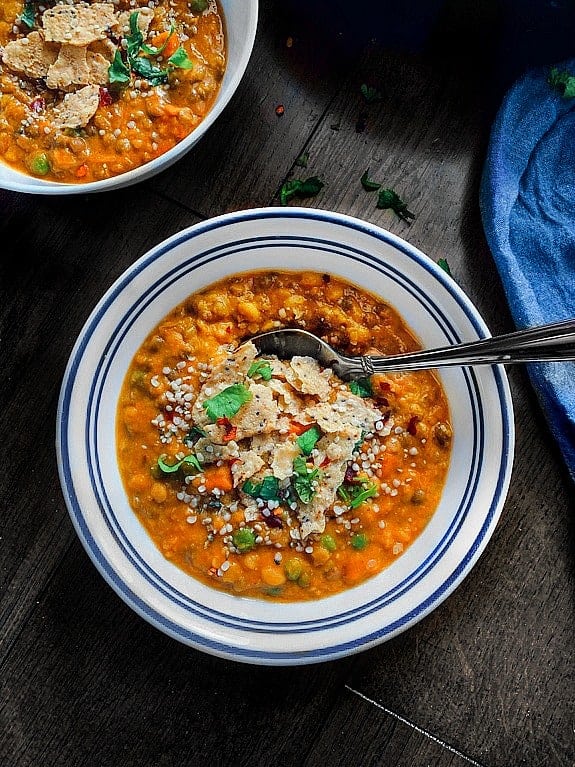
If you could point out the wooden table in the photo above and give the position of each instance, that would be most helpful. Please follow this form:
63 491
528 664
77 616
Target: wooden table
487 678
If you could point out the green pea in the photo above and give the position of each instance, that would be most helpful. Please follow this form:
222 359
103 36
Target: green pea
304 580
359 541
40 164
328 542
244 539
293 568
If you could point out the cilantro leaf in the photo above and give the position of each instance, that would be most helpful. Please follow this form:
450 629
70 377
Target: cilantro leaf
227 403
354 494
194 434
118 72
368 184
135 38
296 187
260 369
180 59
303 160
361 387
370 94
144 68
167 468
442 262
387 198
152 51
267 489
304 480
562 81
28 15
306 441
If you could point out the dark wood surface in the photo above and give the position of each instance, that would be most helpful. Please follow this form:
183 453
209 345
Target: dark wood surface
486 679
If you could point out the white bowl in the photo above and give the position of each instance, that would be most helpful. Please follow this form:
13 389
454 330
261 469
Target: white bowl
240 19
257 631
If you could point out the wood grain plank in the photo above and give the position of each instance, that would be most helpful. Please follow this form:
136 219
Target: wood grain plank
243 160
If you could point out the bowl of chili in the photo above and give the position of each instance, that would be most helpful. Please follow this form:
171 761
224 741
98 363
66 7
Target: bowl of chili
257 509
105 95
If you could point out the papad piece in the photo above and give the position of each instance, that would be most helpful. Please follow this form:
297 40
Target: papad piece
312 515
347 413
145 18
69 70
31 56
305 375
289 400
259 415
79 24
246 466
77 109
283 456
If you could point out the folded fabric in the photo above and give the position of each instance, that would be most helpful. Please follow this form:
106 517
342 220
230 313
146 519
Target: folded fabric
527 202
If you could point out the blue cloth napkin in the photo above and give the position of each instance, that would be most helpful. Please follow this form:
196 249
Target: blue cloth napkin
527 203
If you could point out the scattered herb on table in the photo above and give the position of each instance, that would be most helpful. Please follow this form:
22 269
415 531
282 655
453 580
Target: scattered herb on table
302 160
298 188
562 81
368 184
442 262
388 198
370 94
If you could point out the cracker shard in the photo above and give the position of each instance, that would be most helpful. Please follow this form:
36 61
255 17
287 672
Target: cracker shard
31 55
248 464
77 109
145 18
305 375
79 24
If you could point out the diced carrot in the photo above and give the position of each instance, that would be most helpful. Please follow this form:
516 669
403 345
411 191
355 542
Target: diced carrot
298 428
218 476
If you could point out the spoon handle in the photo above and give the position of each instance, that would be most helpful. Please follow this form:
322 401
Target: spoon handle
552 343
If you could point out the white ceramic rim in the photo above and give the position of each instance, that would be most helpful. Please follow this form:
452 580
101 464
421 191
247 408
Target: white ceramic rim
257 631
240 42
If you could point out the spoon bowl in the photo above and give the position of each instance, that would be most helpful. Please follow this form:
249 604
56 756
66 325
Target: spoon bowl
552 343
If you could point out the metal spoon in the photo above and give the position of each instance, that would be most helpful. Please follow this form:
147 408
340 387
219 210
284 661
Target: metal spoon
552 343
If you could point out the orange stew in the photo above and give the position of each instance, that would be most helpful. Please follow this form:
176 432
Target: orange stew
273 478
90 91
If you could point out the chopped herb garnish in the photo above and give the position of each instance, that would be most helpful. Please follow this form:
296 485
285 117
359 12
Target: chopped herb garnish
188 461
562 81
304 479
387 198
442 262
227 403
180 59
355 494
298 188
368 184
120 70
194 434
260 369
302 160
267 489
28 15
307 441
370 94
361 387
